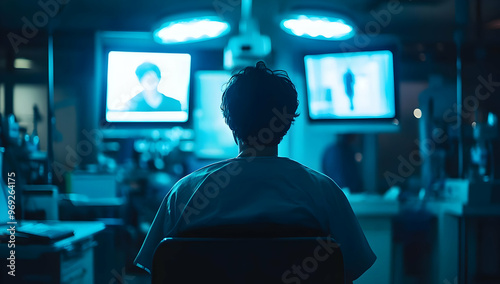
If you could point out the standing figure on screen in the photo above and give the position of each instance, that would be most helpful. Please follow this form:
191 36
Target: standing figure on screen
150 99
349 86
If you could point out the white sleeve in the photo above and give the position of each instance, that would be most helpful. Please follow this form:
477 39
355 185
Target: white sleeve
162 223
345 229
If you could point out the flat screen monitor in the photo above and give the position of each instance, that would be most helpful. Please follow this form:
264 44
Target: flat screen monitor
145 87
351 86
213 138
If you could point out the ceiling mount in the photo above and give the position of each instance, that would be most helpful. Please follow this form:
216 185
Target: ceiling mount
249 46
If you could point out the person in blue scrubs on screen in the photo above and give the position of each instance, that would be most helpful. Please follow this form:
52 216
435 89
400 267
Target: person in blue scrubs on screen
150 99
349 86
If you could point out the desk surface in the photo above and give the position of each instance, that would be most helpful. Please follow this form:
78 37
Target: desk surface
82 231
459 209
82 200
372 205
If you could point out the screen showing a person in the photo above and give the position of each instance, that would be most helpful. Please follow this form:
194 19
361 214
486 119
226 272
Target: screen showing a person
147 87
214 139
353 85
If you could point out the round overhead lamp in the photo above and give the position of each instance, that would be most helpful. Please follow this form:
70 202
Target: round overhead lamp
318 25
192 27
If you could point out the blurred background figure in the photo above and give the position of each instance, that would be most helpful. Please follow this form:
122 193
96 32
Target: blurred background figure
341 163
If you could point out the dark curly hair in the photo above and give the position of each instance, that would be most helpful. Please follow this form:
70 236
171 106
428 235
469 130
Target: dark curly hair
145 67
260 105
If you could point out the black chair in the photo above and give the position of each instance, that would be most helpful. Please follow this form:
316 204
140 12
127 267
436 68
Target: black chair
248 260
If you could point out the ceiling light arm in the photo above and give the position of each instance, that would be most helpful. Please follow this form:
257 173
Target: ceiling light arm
247 24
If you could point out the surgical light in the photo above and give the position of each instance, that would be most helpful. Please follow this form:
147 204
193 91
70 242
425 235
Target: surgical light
191 29
318 27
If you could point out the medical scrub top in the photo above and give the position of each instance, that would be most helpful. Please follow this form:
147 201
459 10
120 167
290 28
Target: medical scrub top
260 190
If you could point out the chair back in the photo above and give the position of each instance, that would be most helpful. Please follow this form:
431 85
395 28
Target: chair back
248 260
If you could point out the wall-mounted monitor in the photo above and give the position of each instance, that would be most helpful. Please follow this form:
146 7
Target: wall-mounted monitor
145 87
353 87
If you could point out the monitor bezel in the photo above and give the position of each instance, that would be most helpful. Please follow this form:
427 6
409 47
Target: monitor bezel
394 120
141 124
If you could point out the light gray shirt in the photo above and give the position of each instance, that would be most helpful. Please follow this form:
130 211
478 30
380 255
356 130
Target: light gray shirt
259 190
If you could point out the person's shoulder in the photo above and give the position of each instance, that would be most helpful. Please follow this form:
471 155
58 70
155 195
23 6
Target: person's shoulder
136 102
214 166
170 104
203 172
320 177
299 165
137 98
171 100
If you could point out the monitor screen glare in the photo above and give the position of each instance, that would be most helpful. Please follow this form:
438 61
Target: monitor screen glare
353 85
147 87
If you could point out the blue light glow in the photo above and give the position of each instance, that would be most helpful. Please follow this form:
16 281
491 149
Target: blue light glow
192 29
351 85
317 27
